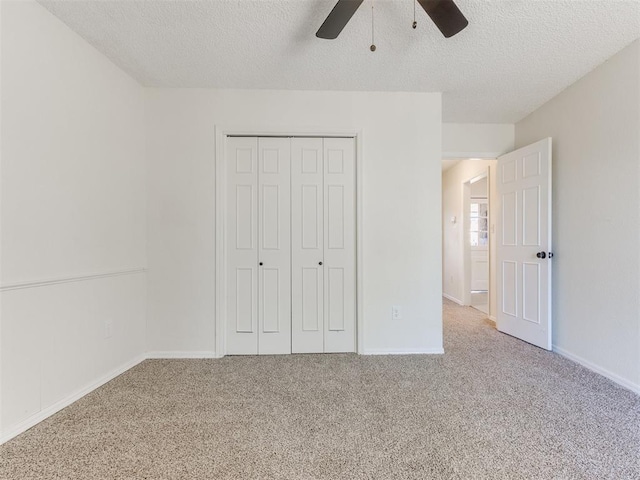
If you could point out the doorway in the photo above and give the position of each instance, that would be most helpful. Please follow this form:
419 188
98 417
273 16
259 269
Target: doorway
517 229
468 208
477 242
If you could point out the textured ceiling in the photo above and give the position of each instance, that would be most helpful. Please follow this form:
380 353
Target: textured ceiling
514 56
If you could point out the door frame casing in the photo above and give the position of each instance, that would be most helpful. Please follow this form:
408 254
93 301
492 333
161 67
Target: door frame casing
221 134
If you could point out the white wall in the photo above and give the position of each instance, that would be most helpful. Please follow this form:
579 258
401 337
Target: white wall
595 125
453 234
480 188
402 153
480 140
73 204
1 115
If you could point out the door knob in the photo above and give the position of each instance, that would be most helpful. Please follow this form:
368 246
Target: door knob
319 263
260 264
541 255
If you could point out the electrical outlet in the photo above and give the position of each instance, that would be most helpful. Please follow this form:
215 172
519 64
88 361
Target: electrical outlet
108 329
396 312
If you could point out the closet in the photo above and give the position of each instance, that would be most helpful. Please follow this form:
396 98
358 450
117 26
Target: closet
290 245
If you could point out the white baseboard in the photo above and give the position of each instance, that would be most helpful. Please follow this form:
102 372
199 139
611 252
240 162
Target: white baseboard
453 299
492 318
178 354
406 351
595 368
77 395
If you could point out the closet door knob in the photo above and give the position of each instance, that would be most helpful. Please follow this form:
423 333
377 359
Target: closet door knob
260 263
319 263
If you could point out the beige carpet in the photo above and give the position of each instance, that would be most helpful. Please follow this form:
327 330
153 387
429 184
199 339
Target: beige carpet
492 407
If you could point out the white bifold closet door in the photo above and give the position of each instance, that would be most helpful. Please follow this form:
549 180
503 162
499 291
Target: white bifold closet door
323 245
290 245
258 250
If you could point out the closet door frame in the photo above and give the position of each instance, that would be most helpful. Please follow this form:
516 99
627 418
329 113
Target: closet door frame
221 134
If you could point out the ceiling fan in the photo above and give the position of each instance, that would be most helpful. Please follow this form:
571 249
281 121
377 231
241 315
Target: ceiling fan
444 13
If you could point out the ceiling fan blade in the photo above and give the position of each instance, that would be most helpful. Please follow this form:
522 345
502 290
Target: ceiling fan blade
446 15
338 18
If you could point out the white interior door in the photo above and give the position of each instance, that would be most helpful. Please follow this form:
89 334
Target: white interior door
274 250
241 244
479 270
524 244
307 245
339 245
479 241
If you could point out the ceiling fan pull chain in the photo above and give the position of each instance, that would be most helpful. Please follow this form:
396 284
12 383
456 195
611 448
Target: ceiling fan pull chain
373 44
415 24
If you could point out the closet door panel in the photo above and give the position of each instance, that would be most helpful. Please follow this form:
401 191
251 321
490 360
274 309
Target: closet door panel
336 308
274 245
241 244
339 245
307 241
270 293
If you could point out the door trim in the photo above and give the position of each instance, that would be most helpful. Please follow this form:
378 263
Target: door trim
221 134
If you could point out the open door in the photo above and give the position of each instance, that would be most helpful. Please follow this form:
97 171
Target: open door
524 244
